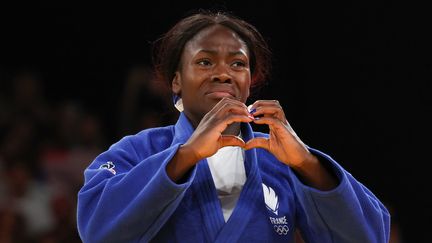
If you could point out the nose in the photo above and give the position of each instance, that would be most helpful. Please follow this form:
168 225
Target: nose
221 74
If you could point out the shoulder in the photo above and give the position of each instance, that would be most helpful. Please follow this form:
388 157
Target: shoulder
147 141
154 136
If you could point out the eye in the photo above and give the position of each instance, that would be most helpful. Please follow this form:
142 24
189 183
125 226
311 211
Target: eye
239 64
204 62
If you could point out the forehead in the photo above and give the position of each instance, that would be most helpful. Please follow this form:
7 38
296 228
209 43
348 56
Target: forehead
215 37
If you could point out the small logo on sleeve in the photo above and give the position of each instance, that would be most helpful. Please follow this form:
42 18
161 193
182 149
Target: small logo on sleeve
109 166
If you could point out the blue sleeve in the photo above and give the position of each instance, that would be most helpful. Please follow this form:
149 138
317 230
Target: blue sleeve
130 200
349 213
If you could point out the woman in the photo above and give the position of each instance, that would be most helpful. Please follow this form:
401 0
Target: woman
210 177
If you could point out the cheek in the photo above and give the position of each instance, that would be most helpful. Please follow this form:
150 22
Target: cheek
245 84
194 78
190 85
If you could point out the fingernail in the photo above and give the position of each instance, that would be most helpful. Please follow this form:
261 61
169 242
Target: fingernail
249 108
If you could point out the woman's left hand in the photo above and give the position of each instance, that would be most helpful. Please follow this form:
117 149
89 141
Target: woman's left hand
283 142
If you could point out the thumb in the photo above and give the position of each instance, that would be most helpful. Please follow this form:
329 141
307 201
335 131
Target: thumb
257 143
231 140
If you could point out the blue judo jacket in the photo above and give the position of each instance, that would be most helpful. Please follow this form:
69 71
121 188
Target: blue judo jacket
128 197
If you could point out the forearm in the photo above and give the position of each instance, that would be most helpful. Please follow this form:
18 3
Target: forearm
350 211
182 162
313 173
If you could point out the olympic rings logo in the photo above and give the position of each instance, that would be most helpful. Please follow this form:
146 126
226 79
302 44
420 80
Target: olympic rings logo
281 229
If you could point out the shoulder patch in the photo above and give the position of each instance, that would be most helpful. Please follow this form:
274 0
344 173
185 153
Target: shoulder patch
108 166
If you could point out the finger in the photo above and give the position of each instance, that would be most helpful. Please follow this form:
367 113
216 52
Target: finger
260 103
270 121
232 106
270 111
257 143
226 100
267 108
233 109
223 111
231 140
219 105
232 118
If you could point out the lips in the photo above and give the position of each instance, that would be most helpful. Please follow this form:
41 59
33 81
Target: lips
220 93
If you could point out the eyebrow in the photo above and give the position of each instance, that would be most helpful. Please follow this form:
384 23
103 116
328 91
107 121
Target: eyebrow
213 52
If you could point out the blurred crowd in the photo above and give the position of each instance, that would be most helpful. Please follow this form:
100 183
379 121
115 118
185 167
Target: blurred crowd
45 145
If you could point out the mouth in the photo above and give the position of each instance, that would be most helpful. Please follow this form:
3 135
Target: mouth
219 94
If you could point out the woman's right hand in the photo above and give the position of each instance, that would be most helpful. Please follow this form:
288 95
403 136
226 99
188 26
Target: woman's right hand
209 137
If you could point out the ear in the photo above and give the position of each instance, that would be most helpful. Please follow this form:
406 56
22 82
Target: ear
176 84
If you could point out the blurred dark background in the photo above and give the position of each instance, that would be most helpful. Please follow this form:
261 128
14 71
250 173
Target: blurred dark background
354 79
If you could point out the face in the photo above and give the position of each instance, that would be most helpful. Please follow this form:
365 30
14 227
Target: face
214 64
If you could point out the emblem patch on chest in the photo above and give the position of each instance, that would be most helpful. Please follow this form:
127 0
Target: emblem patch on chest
271 200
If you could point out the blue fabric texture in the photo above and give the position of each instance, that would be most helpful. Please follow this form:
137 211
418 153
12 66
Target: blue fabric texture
134 200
